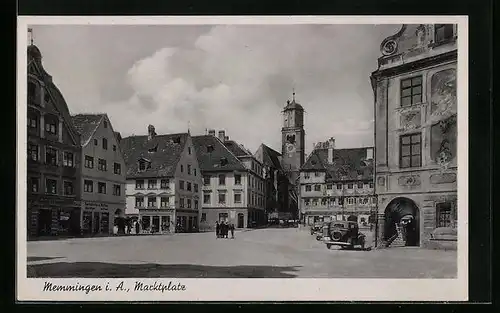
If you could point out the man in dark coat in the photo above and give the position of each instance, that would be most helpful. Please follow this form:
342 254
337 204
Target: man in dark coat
231 228
217 229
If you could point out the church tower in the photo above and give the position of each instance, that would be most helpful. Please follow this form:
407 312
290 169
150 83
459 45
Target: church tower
292 138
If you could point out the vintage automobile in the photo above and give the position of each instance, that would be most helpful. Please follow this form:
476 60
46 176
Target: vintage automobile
345 234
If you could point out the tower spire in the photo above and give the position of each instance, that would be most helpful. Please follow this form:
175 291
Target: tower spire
293 94
30 34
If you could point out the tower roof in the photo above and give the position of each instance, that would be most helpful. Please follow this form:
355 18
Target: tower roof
292 105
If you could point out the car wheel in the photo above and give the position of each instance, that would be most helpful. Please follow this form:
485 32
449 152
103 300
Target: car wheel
328 246
336 236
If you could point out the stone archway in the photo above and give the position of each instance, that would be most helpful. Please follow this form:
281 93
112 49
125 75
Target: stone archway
405 213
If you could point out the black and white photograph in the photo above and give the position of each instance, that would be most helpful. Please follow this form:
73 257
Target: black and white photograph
272 156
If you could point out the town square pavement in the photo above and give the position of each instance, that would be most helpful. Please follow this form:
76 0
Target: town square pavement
261 253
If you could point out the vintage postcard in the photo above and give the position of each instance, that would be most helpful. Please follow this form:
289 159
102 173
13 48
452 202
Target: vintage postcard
242 158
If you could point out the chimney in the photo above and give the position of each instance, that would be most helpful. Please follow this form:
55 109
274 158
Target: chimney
369 154
151 132
331 147
211 132
222 135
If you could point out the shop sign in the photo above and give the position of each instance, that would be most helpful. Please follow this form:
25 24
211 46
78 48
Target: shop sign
96 204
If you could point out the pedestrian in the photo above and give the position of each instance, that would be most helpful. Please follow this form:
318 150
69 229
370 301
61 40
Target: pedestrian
232 231
226 229
217 229
137 224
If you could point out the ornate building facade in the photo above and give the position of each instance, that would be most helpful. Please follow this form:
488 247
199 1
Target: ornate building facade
337 184
53 167
416 136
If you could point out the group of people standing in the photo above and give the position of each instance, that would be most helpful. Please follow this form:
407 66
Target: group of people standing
223 228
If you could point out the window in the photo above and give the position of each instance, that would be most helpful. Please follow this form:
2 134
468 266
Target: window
329 186
307 175
339 186
164 184
410 151
151 183
164 201
206 180
88 186
203 217
182 168
189 169
105 124
117 191
317 174
101 187
315 202
32 152
223 216
117 168
222 198
350 186
139 184
222 179
237 198
35 184
194 172
51 186
195 187
308 187
151 201
206 198
371 185
181 202
444 214
188 202
68 188
101 165
32 122
411 91
317 187
443 32
188 186
237 179
360 185
181 184
323 201
51 156
68 159
142 165
89 162
350 200
104 143
139 202
114 147
51 126
189 150
95 142
306 201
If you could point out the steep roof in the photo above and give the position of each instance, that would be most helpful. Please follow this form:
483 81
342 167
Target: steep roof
86 125
163 151
271 157
292 105
236 148
210 152
348 164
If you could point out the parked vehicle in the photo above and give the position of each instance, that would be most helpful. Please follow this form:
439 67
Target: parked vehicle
345 234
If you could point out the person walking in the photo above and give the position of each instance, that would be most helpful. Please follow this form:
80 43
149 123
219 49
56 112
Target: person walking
217 229
137 225
231 228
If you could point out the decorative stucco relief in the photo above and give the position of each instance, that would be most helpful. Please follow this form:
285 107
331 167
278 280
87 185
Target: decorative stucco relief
444 178
411 180
410 120
381 181
444 93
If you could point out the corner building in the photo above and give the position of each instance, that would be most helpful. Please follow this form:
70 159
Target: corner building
416 136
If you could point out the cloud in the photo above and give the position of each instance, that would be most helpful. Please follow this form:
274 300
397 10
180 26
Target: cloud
238 78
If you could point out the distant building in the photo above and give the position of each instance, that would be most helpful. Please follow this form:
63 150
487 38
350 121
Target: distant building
416 135
53 175
103 174
163 186
233 184
337 184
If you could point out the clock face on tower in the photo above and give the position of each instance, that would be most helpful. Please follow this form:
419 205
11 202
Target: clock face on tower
290 147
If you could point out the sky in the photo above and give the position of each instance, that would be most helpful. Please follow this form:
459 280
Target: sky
235 78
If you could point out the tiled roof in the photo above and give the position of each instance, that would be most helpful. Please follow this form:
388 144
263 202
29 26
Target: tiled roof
348 164
293 106
86 124
236 149
163 151
271 157
213 155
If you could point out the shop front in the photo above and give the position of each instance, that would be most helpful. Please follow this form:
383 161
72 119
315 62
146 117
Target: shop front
97 218
187 221
51 216
159 221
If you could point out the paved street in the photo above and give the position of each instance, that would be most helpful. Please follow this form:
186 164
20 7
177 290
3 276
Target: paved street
263 253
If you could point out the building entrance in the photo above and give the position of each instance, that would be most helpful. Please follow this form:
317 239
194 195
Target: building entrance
402 214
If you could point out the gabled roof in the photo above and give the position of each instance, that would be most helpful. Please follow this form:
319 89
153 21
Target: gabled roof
86 125
271 157
163 151
348 164
210 152
236 148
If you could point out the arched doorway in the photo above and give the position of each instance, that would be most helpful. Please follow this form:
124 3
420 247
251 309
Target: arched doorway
402 213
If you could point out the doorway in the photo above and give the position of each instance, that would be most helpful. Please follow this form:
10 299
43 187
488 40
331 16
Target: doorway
96 223
241 220
402 213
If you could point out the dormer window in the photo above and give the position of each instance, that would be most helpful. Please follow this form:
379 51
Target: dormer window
105 124
144 165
